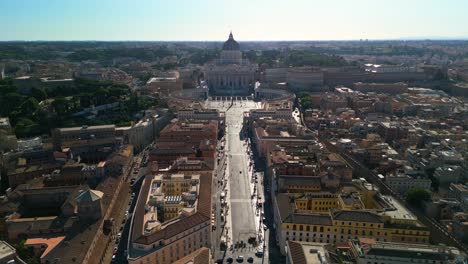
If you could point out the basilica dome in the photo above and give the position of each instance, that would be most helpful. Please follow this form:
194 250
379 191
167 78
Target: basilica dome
231 44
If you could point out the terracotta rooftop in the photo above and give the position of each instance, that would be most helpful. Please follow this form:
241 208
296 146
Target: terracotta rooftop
50 242
203 214
296 253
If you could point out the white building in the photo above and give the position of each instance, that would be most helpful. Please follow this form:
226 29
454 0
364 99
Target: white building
390 68
8 254
143 132
231 74
205 114
401 183
448 174
369 251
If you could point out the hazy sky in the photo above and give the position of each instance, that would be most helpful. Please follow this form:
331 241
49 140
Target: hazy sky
248 19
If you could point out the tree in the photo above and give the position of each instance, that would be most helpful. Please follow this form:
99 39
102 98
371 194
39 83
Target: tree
26 253
146 76
26 128
7 86
38 93
86 99
10 102
416 196
60 105
29 107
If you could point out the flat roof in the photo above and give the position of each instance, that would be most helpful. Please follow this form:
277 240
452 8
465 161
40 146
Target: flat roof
84 128
162 79
6 249
400 211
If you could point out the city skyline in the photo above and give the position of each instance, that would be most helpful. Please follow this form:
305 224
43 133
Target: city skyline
209 20
247 131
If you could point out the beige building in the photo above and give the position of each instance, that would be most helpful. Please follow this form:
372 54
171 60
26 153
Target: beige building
268 132
89 205
306 78
202 114
275 75
164 85
85 141
188 227
339 218
388 88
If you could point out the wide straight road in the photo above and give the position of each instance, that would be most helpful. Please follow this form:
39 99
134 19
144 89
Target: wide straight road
242 213
242 220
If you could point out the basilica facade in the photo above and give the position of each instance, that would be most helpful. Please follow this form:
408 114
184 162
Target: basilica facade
231 74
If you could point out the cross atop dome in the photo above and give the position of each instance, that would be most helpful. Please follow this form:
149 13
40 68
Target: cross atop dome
231 44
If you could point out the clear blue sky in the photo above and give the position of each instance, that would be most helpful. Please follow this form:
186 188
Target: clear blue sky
248 19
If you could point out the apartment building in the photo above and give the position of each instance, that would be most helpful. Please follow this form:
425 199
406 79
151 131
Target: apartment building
156 241
327 218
